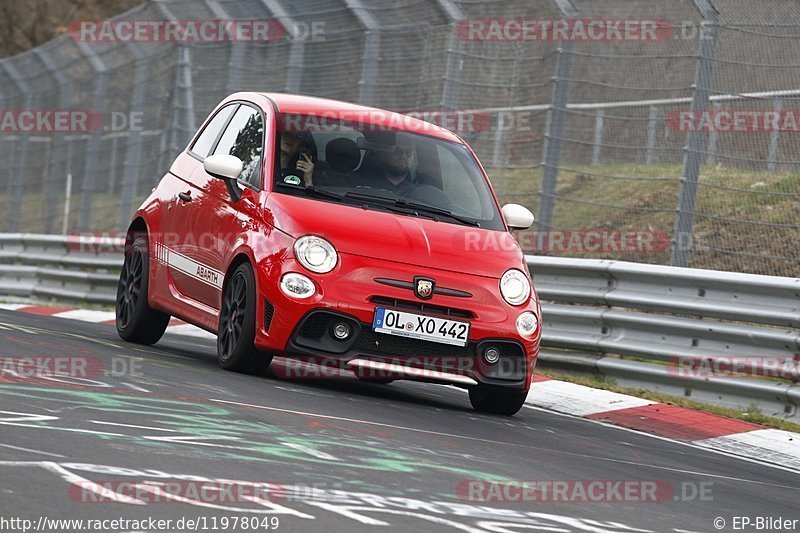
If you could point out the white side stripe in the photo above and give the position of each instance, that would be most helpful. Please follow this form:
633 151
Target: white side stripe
189 266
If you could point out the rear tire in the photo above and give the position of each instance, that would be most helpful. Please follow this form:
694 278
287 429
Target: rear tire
237 325
136 320
496 400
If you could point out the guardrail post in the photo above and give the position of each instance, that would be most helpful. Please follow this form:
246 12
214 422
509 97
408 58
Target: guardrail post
713 138
774 138
598 136
696 140
652 121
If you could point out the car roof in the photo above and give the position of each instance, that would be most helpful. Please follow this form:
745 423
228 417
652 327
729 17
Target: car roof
313 105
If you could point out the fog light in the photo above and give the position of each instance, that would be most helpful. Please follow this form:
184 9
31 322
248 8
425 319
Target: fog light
297 286
527 324
341 331
491 355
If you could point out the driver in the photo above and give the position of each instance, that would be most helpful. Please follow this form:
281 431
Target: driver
391 170
298 153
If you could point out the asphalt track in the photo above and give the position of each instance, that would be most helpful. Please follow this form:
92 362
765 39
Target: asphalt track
341 455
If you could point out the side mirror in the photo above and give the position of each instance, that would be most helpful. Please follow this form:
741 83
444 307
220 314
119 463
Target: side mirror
226 168
223 166
517 216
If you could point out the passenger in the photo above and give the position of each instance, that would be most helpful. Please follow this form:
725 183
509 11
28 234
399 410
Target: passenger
298 158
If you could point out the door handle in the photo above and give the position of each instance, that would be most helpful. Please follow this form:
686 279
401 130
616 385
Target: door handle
185 196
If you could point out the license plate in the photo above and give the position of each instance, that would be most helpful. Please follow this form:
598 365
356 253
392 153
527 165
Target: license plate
414 326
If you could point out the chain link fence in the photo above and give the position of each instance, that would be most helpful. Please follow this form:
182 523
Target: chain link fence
660 132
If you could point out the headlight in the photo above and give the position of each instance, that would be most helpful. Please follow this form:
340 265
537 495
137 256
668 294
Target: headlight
316 254
527 324
297 286
515 287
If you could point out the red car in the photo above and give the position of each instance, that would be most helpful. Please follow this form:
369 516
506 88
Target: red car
347 236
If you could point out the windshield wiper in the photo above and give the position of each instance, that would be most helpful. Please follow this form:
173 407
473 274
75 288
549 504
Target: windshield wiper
314 190
415 207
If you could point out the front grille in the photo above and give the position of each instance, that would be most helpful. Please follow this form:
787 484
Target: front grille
372 343
422 307
315 326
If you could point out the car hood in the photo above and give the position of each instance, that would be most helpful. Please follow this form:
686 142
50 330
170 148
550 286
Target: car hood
393 237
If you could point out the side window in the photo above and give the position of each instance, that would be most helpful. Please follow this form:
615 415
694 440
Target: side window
244 138
202 146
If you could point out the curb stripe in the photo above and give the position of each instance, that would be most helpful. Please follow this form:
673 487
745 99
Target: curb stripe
675 422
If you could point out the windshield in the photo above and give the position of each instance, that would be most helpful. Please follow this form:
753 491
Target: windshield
360 164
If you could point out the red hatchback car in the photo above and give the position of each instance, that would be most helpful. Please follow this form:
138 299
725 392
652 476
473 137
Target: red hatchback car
346 236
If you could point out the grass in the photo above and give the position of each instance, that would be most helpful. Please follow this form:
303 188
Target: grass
752 414
744 220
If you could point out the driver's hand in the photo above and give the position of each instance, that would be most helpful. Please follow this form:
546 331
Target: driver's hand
306 166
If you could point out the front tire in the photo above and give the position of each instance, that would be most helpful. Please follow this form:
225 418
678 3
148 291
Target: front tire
136 320
496 400
237 325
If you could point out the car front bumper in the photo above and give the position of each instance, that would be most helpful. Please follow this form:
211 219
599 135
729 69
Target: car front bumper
302 328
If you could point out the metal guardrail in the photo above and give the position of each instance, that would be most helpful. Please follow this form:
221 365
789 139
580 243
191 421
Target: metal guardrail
601 309
55 267
698 326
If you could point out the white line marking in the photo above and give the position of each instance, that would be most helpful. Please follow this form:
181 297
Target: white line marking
135 387
310 451
33 451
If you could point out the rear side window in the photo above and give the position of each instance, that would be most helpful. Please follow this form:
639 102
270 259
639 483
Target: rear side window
202 146
244 138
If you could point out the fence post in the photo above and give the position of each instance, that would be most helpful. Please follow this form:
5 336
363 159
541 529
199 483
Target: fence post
50 191
372 48
95 137
133 151
598 136
696 140
294 70
183 124
16 179
774 138
454 65
554 135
